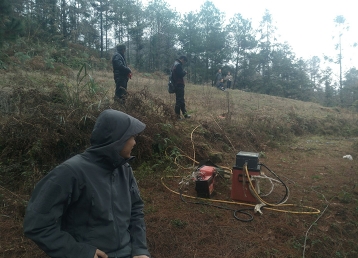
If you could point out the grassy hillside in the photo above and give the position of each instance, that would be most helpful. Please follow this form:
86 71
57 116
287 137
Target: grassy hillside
60 107
48 113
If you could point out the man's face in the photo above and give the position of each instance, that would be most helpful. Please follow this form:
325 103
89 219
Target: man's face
127 149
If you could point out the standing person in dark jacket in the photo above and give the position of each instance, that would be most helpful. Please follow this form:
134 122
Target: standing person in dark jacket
89 206
178 79
121 73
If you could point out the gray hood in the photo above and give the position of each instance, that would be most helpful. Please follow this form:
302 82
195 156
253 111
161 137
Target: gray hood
110 133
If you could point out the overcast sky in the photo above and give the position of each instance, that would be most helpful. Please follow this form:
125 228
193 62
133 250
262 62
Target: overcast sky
307 25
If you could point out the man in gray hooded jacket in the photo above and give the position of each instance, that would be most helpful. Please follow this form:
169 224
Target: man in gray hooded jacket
89 206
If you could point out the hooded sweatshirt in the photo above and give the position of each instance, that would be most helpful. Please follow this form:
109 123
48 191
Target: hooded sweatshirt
91 201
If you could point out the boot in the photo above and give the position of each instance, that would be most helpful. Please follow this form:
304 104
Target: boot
187 116
119 100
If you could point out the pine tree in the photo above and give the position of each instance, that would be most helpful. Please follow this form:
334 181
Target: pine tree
241 42
10 25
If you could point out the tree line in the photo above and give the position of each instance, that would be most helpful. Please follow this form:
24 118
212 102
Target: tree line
155 35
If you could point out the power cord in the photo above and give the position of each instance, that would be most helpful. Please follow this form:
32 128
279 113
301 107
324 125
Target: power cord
311 210
242 211
285 198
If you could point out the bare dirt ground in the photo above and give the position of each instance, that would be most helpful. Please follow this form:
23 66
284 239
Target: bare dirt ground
316 175
314 171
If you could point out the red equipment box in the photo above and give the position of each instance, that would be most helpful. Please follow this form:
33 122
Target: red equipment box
204 182
207 170
240 185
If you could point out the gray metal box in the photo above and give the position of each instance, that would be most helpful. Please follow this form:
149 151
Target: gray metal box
251 158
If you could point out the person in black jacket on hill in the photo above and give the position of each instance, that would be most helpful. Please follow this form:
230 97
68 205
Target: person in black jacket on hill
122 73
178 80
89 206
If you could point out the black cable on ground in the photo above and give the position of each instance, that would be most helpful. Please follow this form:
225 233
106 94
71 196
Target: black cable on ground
241 211
285 197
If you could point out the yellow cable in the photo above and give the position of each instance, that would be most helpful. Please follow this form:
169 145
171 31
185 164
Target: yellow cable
315 211
256 195
191 138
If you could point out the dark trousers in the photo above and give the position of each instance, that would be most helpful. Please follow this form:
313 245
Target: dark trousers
179 100
121 89
228 85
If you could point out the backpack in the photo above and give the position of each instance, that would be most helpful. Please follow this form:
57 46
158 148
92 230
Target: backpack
171 83
171 86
